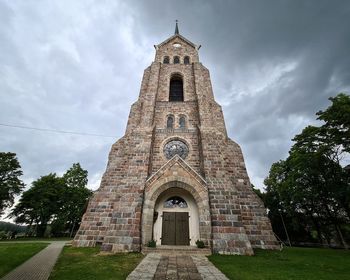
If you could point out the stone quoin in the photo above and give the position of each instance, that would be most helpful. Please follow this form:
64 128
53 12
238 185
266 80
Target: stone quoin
175 177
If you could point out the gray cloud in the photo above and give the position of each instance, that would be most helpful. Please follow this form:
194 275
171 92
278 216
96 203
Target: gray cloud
77 66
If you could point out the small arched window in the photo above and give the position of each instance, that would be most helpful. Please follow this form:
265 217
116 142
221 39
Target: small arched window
182 122
174 202
166 60
176 89
187 60
176 60
170 122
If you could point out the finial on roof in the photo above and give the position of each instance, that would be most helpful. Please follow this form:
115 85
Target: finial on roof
176 28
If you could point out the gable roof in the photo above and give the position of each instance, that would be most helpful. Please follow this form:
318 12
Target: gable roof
181 38
182 164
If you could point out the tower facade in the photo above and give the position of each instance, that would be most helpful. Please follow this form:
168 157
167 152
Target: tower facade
175 177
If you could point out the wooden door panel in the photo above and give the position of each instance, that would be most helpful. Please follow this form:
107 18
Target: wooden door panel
182 228
168 228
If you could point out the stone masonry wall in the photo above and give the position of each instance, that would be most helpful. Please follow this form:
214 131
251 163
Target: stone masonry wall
166 71
113 215
253 212
239 220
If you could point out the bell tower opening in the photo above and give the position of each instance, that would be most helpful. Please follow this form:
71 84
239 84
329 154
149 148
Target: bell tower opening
176 89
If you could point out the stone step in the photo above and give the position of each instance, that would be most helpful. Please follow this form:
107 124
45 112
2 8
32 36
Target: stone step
176 250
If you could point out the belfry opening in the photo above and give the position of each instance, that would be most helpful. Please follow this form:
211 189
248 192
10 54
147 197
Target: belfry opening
176 88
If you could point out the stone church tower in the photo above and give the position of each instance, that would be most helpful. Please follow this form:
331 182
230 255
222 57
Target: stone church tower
175 177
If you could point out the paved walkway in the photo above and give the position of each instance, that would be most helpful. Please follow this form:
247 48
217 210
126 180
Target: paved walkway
146 269
207 270
157 267
39 266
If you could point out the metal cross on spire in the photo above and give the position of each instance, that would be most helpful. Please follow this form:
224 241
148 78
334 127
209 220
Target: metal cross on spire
176 27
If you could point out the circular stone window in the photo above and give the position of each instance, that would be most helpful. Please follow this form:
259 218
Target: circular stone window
175 147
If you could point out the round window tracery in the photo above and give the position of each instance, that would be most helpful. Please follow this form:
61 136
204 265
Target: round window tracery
175 201
175 147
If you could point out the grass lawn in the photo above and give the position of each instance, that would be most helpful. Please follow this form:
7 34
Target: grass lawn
13 254
87 263
289 264
37 239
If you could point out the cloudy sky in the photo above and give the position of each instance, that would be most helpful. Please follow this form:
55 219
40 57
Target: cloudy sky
77 66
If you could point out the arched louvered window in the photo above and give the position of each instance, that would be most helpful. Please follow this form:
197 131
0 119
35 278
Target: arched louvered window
170 122
182 122
187 60
166 60
176 60
176 89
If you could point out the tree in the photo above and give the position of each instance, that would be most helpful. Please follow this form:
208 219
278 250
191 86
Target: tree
76 177
38 204
56 201
337 121
311 184
75 198
286 222
10 184
317 182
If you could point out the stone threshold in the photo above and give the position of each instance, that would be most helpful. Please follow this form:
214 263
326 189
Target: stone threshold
177 250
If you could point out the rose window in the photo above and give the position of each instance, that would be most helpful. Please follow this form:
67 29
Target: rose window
175 147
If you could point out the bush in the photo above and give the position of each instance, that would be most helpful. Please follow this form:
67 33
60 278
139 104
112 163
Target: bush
200 244
152 244
3 235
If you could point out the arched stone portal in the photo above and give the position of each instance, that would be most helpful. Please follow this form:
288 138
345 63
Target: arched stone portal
176 218
192 191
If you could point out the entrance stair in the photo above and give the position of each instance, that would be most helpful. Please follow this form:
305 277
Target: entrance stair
167 250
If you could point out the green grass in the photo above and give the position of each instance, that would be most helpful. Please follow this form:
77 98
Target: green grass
13 254
37 239
289 264
87 263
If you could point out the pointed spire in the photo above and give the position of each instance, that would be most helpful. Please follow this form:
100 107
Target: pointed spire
176 28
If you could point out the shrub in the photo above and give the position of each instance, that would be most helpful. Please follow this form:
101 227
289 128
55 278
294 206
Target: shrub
3 235
200 244
152 244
